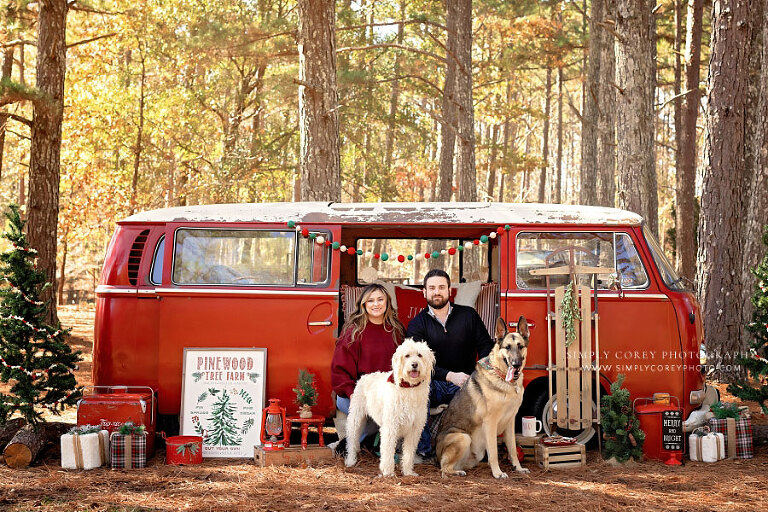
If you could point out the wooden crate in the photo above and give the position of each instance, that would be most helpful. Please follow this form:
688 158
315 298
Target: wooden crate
295 456
528 445
561 457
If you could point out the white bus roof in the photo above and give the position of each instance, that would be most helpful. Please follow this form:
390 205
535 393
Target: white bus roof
392 213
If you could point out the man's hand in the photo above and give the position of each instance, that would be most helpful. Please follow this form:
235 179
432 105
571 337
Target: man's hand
457 378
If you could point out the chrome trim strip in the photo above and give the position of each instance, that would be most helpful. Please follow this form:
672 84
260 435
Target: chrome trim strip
627 294
209 291
116 290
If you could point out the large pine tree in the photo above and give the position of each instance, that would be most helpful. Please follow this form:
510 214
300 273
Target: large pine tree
34 355
755 388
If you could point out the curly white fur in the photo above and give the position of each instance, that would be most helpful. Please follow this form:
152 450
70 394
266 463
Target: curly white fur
400 412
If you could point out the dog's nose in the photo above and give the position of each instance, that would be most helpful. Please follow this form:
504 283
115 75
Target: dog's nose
414 365
516 365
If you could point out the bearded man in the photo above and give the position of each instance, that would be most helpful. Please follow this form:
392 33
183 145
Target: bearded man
457 336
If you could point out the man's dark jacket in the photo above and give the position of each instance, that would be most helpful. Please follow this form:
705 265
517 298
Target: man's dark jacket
457 346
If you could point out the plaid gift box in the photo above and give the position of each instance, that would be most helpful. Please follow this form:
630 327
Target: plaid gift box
128 451
738 436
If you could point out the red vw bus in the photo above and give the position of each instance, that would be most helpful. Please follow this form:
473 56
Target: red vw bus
283 277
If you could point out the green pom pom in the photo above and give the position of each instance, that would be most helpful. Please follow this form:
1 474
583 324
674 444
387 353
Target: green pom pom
312 236
384 256
435 254
359 252
335 245
507 227
484 239
291 224
410 257
460 247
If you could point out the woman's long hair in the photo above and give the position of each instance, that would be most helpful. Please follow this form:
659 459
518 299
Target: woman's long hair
358 320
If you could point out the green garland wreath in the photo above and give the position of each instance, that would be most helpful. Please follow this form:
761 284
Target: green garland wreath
569 309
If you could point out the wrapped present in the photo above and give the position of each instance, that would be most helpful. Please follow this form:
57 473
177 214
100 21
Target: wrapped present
738 435
128 447
83 448
706 446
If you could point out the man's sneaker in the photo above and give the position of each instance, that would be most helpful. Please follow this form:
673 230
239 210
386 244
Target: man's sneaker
421 458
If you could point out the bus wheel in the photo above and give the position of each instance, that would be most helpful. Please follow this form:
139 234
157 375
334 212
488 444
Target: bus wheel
582 436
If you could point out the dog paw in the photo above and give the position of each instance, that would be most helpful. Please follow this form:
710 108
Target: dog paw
386 475
501 475
350 461
410 473
521 469
454 473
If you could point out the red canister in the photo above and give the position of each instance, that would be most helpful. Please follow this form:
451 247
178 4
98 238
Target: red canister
663 427
184 450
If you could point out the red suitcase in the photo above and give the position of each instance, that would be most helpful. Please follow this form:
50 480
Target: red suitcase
112 406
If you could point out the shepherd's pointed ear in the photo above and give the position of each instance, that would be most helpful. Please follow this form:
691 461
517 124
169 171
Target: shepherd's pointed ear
501 328
522 327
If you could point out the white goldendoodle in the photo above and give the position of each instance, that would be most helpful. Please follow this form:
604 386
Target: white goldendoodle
397 402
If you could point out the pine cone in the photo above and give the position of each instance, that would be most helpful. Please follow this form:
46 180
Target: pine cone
632 440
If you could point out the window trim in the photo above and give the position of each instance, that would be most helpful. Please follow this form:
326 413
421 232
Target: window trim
207 228
513 277
160 241
323 284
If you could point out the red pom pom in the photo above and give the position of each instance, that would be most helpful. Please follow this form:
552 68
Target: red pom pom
452 251
304 232
500 230
328 242
377 256
427 255
401 258
476 242
351 251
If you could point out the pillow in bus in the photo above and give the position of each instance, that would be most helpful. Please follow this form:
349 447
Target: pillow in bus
349 296
486 306
410 302
466 293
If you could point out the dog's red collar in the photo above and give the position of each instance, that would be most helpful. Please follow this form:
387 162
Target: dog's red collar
403 384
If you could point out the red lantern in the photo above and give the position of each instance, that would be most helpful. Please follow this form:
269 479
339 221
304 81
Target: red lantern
274 426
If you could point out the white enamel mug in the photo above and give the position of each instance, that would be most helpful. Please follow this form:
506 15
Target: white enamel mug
531 426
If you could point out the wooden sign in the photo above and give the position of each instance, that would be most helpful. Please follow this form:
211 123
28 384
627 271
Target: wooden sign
223 394
672 430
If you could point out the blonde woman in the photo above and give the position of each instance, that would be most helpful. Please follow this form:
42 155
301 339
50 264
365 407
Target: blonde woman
367 342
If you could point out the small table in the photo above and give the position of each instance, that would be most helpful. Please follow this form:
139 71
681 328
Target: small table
305 423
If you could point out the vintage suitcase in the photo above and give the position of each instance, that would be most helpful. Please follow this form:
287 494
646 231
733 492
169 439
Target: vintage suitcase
111 406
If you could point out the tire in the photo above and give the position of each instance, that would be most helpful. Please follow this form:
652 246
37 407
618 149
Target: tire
539 403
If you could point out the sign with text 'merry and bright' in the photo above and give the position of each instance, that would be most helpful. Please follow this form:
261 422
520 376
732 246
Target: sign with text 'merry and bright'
223 391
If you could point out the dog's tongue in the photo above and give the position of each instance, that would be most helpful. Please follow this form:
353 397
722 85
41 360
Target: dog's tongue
510 374
413 374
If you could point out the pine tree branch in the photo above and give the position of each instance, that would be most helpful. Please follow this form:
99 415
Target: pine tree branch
12 92
86 41
18 118
391 45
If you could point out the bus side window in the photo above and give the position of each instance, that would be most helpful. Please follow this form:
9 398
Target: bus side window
156 274
313 261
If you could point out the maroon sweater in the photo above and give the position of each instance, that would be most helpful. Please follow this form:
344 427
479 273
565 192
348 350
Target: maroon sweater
371 352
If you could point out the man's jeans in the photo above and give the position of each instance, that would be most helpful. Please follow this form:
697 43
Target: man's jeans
440 392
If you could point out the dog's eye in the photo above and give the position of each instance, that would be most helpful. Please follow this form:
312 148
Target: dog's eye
420 355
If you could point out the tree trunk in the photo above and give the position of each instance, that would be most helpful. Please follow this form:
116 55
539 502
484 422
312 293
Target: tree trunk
635 72
62 275
318 102
685 221
9 429
677 103
449 123
559 158
45 149
389 191
491 183
545 137
139 146
589 118
606 123
5 75
24 447
756 213
466 174
721 220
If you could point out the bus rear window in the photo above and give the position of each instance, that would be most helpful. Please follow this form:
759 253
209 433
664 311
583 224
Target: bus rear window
552 249
234 257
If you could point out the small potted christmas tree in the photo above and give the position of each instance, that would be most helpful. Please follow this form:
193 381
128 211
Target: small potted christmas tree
755 387
306 393
621 428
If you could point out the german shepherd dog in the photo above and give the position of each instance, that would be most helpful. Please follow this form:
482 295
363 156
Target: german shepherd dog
485 406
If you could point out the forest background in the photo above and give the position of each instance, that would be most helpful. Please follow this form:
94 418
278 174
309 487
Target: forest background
659 107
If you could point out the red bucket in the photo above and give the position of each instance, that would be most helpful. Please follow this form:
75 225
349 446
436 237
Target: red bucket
184 450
